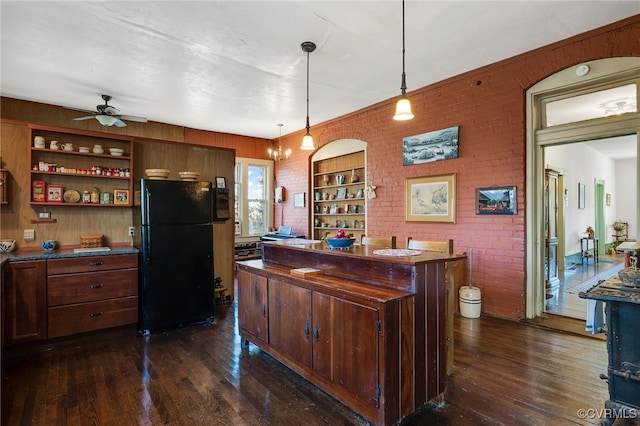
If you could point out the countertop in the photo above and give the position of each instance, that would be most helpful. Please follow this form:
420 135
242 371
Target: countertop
62 253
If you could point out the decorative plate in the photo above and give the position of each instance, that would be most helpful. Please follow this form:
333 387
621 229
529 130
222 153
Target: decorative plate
71 196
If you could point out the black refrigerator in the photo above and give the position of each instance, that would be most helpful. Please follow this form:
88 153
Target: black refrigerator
176 254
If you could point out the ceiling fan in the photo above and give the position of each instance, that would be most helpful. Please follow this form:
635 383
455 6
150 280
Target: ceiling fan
108 115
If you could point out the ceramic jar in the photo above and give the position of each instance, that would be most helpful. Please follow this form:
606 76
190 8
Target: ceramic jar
38 142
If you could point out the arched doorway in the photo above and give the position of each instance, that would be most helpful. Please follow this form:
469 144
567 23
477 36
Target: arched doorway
570 83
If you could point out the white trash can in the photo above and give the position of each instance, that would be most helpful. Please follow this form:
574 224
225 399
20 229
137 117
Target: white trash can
470 301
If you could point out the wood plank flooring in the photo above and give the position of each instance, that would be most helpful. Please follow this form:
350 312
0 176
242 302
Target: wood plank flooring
505 373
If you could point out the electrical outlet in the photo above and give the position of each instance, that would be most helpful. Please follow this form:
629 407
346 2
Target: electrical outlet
29 234
131 231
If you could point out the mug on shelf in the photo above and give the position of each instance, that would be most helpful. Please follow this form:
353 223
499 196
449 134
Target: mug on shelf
67 146
54 145
38 142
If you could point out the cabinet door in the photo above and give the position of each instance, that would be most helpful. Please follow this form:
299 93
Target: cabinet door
345 339
290 320
252 304
24 301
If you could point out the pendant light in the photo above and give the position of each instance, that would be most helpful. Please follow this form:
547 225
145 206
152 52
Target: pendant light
307 140
279 154
403 107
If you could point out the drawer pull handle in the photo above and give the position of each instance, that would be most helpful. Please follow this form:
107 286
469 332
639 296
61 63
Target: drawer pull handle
95 263
96 314
96 286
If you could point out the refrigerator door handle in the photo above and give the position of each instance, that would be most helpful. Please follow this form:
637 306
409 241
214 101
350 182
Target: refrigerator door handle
147 244
147 211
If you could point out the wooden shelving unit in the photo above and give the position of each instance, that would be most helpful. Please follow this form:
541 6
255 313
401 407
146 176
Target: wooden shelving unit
338 197
73 169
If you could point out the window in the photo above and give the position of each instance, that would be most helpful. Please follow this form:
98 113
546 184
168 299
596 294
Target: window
603 103
252 196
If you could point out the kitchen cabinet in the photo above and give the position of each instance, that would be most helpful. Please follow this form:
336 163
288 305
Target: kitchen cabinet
24 301
368 329
290 321
80 171
252 305
335 338
338 192
91 293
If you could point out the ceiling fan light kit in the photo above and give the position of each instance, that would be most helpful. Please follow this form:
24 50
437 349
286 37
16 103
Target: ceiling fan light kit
108 116
403 107
307 139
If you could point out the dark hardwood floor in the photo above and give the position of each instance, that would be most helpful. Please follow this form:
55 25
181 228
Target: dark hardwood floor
506 373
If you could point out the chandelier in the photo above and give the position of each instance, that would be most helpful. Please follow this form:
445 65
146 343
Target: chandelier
279 154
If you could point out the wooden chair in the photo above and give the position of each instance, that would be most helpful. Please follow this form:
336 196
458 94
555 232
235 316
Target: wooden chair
388 242
444 246
454 276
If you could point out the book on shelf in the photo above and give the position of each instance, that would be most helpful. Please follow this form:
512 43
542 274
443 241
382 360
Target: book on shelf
303 272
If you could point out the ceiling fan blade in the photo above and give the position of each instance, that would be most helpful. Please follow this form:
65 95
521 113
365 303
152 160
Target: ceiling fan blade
120 123
89 117
133 118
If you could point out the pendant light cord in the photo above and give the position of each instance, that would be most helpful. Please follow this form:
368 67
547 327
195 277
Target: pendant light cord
308 127
403 85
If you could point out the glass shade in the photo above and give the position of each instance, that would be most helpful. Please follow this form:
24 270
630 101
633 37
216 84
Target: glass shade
403 110
307 142
106 120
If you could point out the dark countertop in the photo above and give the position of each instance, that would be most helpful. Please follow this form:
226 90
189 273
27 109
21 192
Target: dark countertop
357 251
62 253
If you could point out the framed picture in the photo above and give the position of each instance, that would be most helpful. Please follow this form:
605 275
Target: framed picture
54 193
121 196
431 146
580 195
298 200
221 182
608 199
431 199
342 193
496 200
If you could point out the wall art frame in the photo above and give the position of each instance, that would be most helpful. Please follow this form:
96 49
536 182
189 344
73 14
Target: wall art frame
431 146
499 200
431 199
121 196
581 191
298 200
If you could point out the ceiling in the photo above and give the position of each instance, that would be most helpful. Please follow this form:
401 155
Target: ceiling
237 66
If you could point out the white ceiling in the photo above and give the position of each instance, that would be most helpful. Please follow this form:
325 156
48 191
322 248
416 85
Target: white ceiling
237 66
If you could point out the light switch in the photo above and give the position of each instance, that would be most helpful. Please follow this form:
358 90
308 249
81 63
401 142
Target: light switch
29 234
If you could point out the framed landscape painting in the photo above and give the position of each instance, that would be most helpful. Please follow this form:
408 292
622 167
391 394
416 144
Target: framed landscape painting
431 199
431 146
496 200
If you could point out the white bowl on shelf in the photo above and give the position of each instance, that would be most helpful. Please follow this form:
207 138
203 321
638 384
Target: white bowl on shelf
157 174
116 152
83 149
189 176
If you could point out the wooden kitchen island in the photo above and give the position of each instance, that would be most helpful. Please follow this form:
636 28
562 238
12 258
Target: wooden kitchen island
368 329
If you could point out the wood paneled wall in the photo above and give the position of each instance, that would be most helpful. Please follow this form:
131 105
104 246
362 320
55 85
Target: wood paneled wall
165 146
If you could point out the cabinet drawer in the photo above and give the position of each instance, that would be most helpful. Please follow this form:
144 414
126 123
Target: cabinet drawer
83 317
91 263
91 286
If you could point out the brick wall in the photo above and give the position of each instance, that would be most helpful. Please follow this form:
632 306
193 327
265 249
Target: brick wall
489 106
